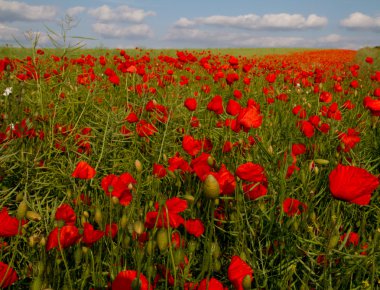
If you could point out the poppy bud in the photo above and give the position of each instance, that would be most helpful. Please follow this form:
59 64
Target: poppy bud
78 256
189 198
36 284
192 246
321 161
216 265
42 241
211 161
138 166
333 241
211 187
115 200
86 214
179 257
162 239
246 283
215 250
33 216
138 227
84 250
98 216
21 210
19 197
123 221
33 240
150 245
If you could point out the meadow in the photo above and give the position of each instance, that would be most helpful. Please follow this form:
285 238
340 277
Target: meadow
189 169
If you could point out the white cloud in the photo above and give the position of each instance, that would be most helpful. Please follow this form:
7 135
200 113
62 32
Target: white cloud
72 11
331 38
14 11
7 32
359 20
229 39
115 31
253 21
121 13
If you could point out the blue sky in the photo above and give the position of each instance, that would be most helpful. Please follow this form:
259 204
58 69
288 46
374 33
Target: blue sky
195 23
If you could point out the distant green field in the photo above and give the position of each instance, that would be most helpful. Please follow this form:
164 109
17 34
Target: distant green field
24 52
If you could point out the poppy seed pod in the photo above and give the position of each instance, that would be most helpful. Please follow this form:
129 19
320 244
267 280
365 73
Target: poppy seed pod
162 239
211 187
21 210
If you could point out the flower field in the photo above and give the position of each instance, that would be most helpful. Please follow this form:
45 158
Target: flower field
137 169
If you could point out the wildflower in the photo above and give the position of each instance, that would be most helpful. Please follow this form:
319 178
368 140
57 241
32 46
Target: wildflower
7 91
352 184
237 270
83 171
8 275
127 279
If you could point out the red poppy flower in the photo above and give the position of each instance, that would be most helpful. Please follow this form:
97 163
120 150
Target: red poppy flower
325 97
177 162
111 230
191 145
9 225
200 166
254 190
353 239
8 275
238 94
352 184
226 180
249 117
118 186
233 107
132 118
349 139
90 236
145 129
373 105
194 227
306 128
216 105
126 280
270 78
66 213
159 170
68 235
169 212
191 104
292 206
237 270
298 149
83 171
251 172
210 284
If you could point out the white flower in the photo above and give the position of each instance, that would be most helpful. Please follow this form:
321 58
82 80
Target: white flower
7 92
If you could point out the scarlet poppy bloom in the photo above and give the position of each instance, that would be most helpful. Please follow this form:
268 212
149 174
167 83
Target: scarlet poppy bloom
8 275
177 162
233 107
373 105
83 171
353 239
167 214
126 280
191 104
271 78
111 230
292 206
145 129
194 227
325 97
9 225
306 128
68 235
238 94
159 170
349 139
352 184
216 105
237 270
298 149
200 166
254 190
132 118
251 172
210 284
118 186
66 213
191 145
90 236
249 117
